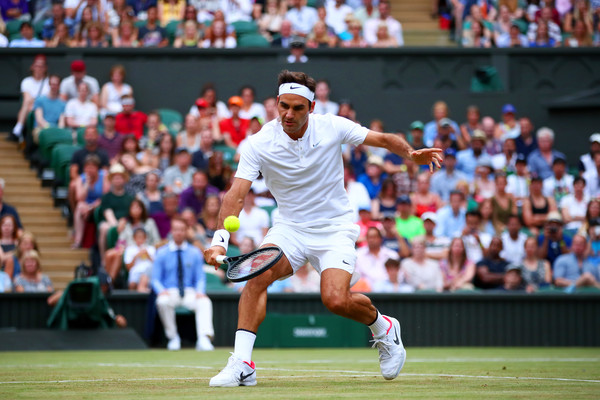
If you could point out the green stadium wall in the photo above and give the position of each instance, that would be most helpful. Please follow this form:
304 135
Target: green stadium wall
559 88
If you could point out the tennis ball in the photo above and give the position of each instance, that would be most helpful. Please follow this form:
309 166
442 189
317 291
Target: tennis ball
232 223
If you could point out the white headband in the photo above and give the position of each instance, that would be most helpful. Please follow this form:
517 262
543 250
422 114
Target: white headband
296 88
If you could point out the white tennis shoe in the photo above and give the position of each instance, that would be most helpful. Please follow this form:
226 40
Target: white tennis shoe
392 354
236 373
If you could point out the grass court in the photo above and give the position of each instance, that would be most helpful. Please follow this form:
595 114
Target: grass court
459 373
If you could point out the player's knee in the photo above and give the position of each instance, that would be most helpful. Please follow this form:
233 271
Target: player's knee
336 303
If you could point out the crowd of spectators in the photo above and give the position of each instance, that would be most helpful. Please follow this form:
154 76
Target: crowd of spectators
507 211
209 24
522 23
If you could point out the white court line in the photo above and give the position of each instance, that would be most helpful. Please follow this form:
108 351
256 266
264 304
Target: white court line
456 360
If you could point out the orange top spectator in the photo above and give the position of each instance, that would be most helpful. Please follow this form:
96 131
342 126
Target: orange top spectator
234 128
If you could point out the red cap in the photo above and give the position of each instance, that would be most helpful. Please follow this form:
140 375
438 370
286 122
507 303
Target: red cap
78 66
201 103
236 101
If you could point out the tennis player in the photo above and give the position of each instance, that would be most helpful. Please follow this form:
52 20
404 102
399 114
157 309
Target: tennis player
300 156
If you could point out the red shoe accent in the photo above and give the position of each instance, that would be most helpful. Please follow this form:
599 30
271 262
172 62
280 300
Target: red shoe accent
390 321
251 364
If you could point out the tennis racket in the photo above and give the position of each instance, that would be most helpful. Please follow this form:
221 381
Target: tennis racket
247 266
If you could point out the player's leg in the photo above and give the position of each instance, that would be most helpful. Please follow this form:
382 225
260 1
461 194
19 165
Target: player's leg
252 308
337 297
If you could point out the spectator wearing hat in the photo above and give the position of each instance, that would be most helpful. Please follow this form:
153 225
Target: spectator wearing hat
573 206
130 121
586 161
517 184
69 85
179 176
234 128
114 205
526 141
407 224
373 176
297 48
214 106
447 137
194 196
440 111
81 111
451 217
592 178
371 258
444 180
490 270
416 135
572 270
390 236
553 242
541 159
27 39
559 184
467 160
509 128
436 247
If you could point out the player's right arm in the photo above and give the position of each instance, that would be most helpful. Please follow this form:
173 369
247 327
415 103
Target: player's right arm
233 202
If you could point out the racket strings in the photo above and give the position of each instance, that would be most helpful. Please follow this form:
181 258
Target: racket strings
254 262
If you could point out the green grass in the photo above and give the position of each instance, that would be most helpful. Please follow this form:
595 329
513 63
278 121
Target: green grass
461 373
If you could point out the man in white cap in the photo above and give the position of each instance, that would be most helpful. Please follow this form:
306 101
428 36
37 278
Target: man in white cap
300 157
586 161
436 246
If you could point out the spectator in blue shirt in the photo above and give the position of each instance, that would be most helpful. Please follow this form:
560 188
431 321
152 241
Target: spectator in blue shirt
27 38
526 142
466 160
553 242
540 160
48 109
152 34
451 218
444 181
178 279
440 112
373 176
574 270
58 17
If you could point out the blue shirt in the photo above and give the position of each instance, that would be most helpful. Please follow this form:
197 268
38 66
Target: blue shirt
443 182
466 161
372 188
554 247
164 271
538 166
5 283
448 224
21 42
567 267
49 28
430 132
51 108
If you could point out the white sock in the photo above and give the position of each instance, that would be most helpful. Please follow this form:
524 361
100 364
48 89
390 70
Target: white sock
244 343
18 129
381 325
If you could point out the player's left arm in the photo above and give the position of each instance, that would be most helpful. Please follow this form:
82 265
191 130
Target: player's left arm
396 144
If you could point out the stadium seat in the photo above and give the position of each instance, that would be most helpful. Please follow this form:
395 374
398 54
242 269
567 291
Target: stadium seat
245 27
62 154
486 79
49 138
12 29
252 40
38 27
228 153
80 136
172 119
171 29
214 284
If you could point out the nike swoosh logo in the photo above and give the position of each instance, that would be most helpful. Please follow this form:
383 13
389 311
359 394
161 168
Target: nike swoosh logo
345 262
396 340
222 240
243 377
316 144
294 87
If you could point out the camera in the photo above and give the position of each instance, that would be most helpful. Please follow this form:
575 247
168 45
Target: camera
553 229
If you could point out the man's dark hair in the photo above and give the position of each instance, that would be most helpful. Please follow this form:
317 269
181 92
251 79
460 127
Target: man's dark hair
579 179
248 87
513 216
473 213
301 78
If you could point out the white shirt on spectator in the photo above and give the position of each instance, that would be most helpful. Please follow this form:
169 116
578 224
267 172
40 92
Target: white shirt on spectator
518 186
302 19
142 266
3 41
513 251
222 110
426 276
592 183
575 207
394 30
84 113
371 266
236 10
34 87
25 43
255 110
358 196
252 224
68 86
553 32
563 186
336 16
328 107
474 250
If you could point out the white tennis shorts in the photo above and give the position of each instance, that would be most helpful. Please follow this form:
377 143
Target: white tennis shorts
333 247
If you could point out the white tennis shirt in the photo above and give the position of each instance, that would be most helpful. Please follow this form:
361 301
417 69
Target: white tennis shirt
306 176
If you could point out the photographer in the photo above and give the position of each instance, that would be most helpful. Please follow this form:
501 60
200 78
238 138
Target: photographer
553 242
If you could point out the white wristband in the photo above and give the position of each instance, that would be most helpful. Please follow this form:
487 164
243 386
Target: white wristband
221 238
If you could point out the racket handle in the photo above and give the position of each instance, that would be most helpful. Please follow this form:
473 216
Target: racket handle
221 259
